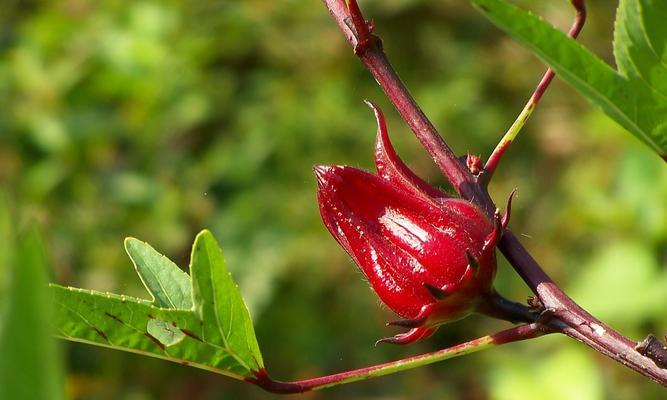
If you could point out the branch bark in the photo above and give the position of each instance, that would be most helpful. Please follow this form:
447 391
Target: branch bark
564 314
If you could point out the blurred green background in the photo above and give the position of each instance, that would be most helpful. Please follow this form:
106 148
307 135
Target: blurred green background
156 119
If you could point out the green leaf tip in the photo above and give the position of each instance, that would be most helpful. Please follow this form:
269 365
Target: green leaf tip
202 322
167 284
210 279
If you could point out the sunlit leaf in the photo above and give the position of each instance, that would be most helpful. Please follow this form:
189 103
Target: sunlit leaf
216 334
634 103
168 284
218 302
640 36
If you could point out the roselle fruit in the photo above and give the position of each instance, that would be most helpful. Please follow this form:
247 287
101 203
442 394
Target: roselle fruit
429 257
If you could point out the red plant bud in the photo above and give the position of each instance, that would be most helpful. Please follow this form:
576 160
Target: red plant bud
428 257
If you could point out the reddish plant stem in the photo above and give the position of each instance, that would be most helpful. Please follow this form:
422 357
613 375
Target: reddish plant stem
565 315
575 29
497 306
515 334
503 145
369 51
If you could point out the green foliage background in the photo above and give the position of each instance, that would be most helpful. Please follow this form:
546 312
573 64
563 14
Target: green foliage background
155 119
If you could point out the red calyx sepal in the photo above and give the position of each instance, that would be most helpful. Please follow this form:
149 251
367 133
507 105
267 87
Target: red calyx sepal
429 258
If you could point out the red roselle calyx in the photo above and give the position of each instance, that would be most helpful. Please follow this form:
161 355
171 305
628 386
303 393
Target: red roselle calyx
429 257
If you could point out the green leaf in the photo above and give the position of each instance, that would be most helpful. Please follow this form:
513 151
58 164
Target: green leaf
634 103
165 332
229 321
214 333
640 36
168 285
30 366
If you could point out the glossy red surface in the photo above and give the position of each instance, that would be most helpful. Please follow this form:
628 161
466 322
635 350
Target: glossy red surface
404 233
